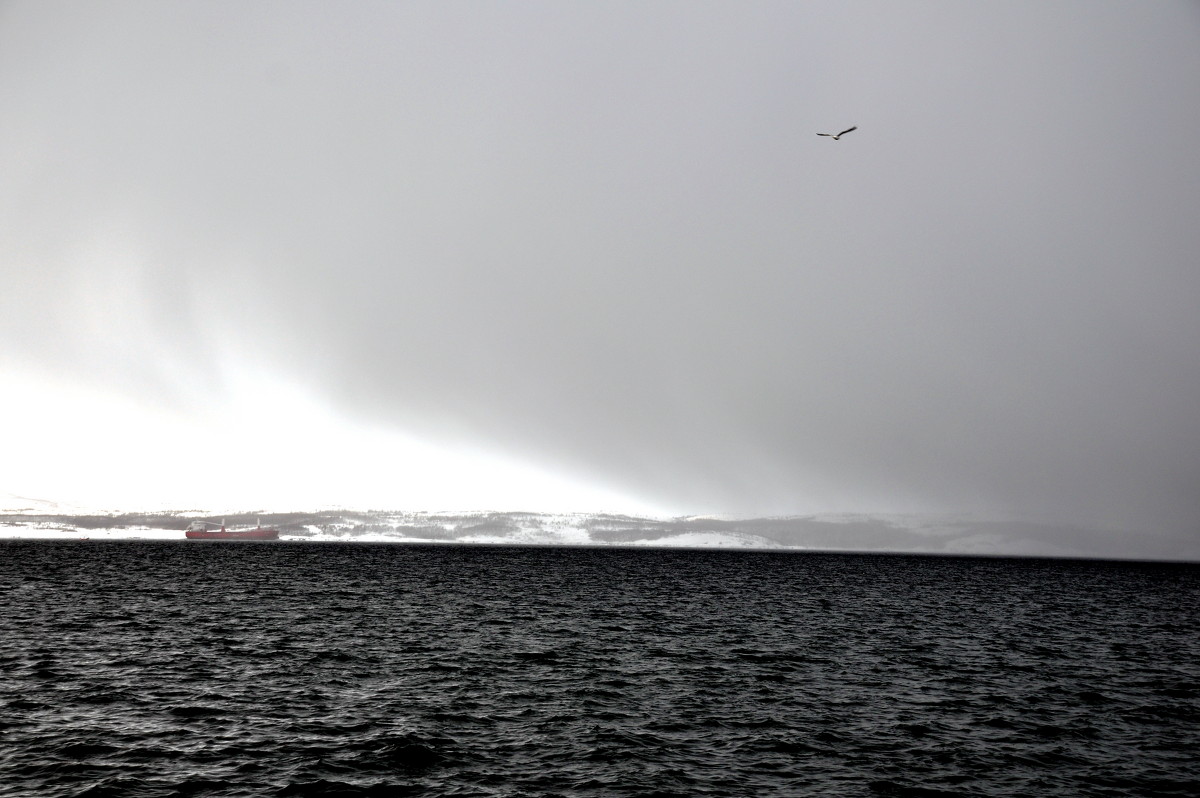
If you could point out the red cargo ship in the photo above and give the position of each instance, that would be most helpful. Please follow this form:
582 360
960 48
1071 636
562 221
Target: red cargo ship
199 530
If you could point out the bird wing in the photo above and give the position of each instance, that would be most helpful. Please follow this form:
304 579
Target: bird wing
824 134
847 130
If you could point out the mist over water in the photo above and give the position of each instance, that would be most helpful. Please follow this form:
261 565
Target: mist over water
168 668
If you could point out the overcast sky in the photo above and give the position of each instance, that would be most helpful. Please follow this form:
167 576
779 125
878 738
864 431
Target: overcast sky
546 255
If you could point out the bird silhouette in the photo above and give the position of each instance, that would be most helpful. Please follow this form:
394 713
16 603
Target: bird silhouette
836 136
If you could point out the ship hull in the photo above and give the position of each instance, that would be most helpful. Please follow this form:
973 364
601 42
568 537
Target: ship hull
225 534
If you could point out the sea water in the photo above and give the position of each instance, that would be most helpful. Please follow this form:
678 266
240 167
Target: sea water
325 669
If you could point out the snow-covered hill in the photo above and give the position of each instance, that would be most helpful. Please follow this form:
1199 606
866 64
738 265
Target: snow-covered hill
849 532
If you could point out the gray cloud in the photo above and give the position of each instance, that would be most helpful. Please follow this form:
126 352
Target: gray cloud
605 238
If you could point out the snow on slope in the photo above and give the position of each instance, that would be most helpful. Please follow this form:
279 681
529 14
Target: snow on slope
49 530
28 518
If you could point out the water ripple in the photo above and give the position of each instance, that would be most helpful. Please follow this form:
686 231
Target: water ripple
162 669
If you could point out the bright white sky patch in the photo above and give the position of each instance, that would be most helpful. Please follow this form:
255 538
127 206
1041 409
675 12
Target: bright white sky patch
262 444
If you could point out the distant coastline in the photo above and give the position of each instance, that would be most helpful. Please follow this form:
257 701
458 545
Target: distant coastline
900 534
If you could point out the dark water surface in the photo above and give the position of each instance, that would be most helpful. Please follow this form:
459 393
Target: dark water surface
234 669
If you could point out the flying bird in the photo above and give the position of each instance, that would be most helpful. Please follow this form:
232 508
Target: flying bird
837 136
